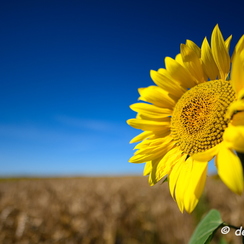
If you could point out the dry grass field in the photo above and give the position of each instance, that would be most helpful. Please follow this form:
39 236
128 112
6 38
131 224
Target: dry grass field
112 210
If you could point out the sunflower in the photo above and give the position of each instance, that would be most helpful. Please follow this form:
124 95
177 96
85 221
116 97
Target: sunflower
193 114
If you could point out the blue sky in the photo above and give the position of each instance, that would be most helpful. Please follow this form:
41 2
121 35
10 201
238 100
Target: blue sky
70 69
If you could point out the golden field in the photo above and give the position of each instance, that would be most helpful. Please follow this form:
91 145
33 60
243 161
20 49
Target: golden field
106 210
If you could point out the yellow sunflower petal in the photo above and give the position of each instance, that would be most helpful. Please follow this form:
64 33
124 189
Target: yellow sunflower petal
163 80
192 63
194 47
239 47
152 141
227 42
234 138
141 136
220 53
240 95
238 119
149 125
187 182
156 117
178 59
149 150
195 186
156 96
209 65
165 165
154 147
206 155
230 169
179 73
137 159
234 107
237 73
153 154
151 111
174 175
147 168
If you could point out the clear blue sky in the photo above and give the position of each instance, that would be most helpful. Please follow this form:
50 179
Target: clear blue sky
70 69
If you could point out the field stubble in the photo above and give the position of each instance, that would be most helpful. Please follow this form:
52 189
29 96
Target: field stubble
106 210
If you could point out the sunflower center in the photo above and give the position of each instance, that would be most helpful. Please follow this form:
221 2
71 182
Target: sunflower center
198 121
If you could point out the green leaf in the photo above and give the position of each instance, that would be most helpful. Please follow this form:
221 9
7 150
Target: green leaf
208 225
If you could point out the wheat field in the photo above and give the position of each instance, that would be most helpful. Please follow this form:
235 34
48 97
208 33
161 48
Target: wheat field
106 210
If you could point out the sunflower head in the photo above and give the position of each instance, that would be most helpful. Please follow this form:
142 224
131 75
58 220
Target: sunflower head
192 114
198 121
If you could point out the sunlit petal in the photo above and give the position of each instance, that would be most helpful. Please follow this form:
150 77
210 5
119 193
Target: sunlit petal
230 169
